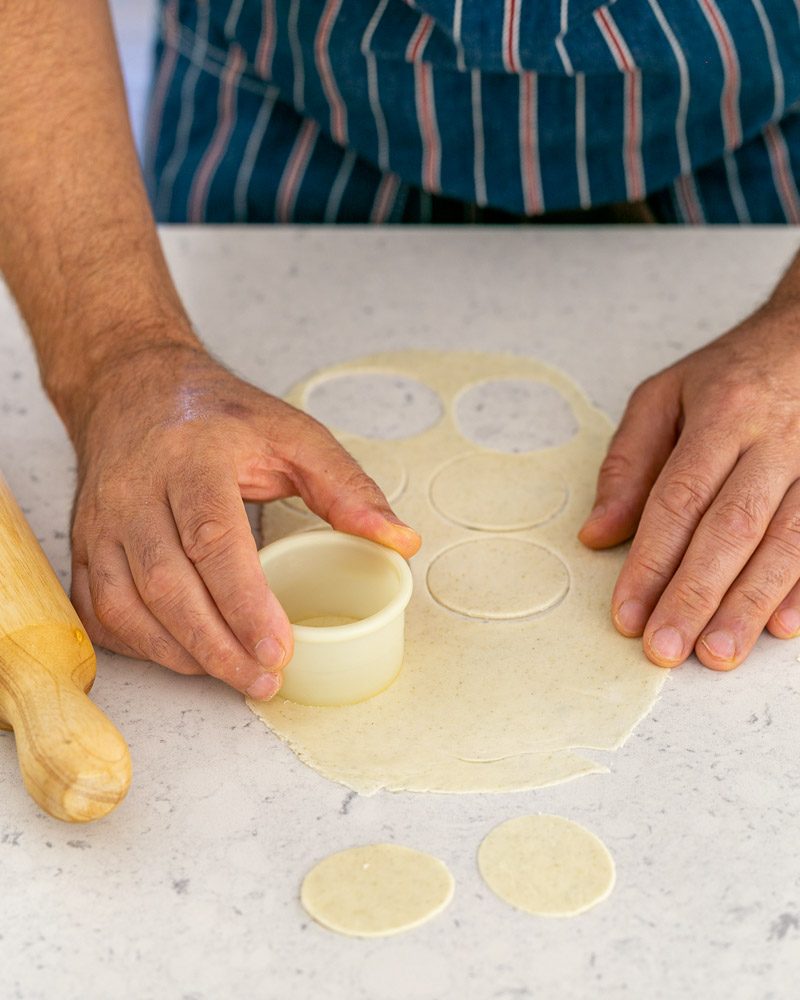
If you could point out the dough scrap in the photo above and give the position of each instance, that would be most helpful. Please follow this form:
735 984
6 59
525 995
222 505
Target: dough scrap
482 705
376 890
546 865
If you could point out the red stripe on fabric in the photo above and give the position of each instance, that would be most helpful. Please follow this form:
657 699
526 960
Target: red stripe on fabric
531 184
419 39
609 31
384 198
266 43
294 170
512 63
226 116
164 78
729 59
322 54
688 196
423 80
781 172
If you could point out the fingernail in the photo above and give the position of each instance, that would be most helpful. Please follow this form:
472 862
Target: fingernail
394 519
270 653
631 616
720 644
265 687
667 643
789 620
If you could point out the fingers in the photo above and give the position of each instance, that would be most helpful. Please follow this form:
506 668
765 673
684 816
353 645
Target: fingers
115 618
684 491
215 534
171 587
765 593
336 488
719 553
638 451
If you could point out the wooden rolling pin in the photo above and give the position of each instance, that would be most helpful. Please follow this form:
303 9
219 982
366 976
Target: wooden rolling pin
74 762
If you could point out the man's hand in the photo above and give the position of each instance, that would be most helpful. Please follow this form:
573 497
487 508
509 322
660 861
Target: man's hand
164 562
706 462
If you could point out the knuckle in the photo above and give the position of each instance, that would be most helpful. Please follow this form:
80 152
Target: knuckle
784 532
616 465
207 535
696 596
158 588
684 497
742 517
759 598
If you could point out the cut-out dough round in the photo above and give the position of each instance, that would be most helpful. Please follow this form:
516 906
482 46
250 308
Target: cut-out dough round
546 865
515 415
498 578
376 890
379 464
497 492
375 405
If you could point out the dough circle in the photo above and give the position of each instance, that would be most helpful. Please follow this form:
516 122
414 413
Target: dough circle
376 890
379 464
497 492
546 865
498 578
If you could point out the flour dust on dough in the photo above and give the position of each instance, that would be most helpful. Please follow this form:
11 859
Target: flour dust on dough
546 865
376 890
503 686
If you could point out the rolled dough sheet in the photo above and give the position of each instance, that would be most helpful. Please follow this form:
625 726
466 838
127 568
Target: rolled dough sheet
376 890
503 681
546 865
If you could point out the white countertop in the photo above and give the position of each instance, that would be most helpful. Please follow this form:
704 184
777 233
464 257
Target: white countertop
190 888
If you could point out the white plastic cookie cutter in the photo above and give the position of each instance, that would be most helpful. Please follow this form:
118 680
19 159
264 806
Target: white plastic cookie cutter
346 599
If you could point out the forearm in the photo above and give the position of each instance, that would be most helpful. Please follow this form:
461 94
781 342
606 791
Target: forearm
78 245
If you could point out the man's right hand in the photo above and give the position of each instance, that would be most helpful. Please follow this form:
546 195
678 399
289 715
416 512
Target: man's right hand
164 562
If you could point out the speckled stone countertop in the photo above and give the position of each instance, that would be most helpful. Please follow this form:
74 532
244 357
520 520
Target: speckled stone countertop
190 888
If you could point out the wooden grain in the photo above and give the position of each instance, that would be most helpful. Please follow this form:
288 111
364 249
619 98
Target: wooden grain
74 762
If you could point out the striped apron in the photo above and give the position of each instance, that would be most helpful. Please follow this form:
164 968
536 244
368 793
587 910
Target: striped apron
417 110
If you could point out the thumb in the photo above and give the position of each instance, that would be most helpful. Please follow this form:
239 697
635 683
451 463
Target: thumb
641 445
336 488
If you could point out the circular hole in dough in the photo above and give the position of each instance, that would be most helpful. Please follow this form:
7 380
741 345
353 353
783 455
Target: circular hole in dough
376 405
497 492
498 578
546 865
379 464
515 415
376 890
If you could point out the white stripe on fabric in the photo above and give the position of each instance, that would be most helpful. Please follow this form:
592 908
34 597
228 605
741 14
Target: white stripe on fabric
782 175
458 12
322 55
298 69
385 197
294 171
232 20
251 151
560 46
735 188
266 43
681 138
774 61
373 89
415 50
226 121
529 143
729 99
479 165
161 86
185 118
689 204
337 188
581 163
